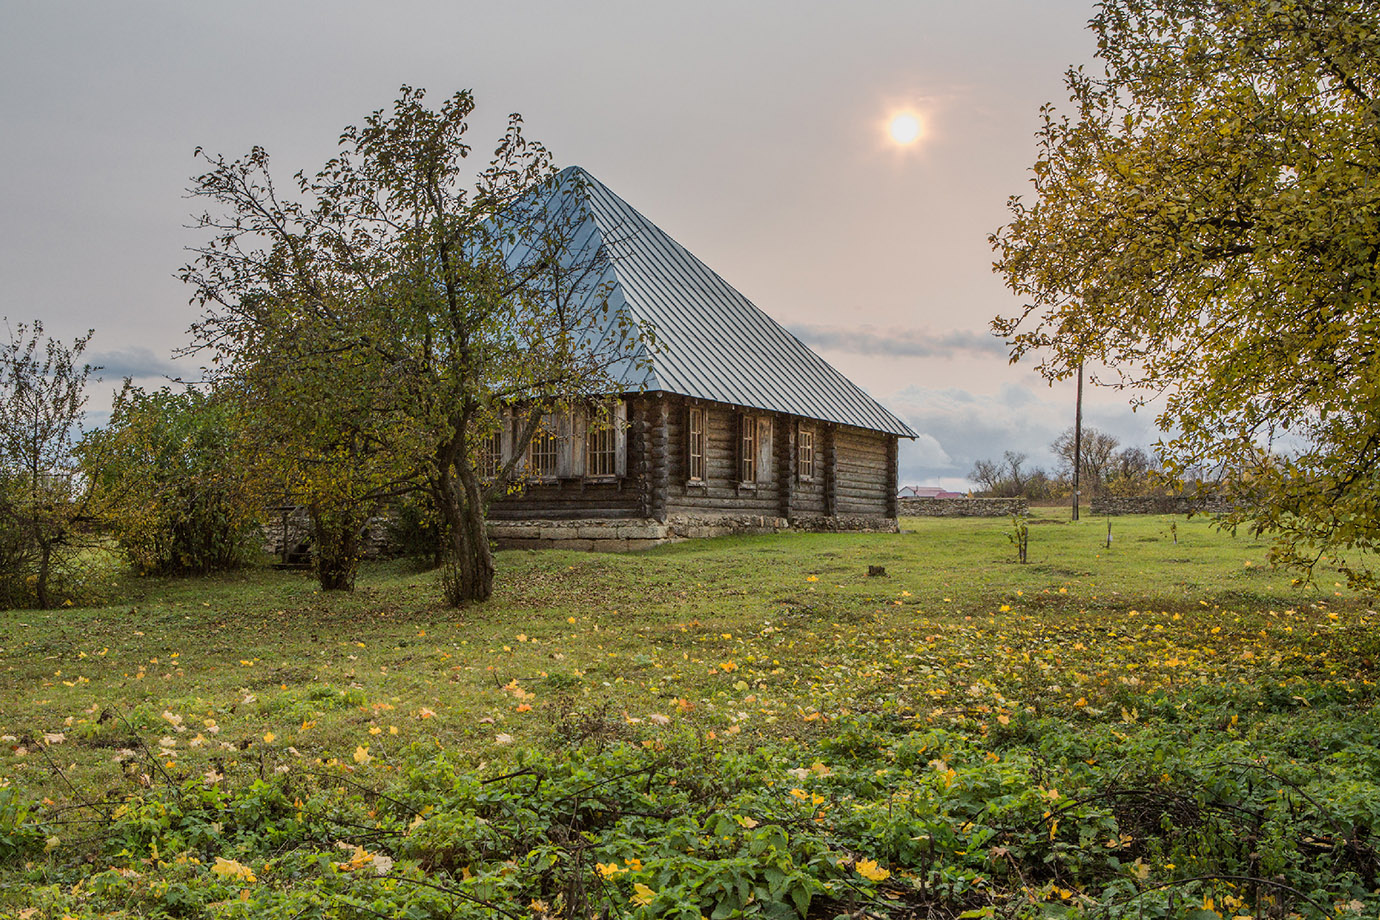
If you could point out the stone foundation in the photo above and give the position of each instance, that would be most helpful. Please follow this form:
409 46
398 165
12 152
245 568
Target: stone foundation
617 536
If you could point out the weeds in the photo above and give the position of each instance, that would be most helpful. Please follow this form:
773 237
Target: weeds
707 730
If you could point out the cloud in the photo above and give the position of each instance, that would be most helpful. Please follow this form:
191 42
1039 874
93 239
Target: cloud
135 361
958 427
899 341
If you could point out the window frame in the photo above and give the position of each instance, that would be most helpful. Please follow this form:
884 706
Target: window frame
696 445
545 443
748 446
805 453
490 455
601 443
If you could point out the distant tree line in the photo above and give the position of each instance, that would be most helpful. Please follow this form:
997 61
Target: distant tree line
1105 468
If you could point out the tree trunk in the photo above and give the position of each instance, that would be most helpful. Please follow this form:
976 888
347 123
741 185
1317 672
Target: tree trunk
336 534
468 569
45 570
467 565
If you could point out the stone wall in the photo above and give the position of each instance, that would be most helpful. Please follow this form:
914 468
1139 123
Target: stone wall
295 526
1158 504
962 507
615 536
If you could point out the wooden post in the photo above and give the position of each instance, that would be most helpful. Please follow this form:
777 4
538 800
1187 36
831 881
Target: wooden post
893 468
661 458
831 472
785 468
642 427
1077 439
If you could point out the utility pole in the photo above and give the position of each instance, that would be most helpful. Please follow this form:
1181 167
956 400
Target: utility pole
1077 438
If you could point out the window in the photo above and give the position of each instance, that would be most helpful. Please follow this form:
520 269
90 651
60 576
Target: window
491 455
695 445
601 444
805 454
747 449
543 453
584 441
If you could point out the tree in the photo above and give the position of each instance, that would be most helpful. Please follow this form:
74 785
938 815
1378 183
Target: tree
1095 457
1132 471
1207 222
1008 478
390 317
1017 476
987 474
176 492
44 501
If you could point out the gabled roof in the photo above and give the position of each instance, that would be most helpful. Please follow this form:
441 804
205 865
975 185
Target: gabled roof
712 343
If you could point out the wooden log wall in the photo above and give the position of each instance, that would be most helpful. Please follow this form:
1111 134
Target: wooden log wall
855 472
831 472
893 474
721 490
784 444
570 499
578 498
862 476
660 451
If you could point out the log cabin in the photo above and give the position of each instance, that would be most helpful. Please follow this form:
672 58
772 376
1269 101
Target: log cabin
730 425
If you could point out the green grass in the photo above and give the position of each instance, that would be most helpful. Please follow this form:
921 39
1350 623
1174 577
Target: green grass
779 643
674 631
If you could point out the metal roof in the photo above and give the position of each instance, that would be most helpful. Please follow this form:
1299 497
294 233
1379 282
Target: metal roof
712 343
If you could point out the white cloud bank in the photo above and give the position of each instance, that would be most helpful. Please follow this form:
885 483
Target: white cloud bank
958 427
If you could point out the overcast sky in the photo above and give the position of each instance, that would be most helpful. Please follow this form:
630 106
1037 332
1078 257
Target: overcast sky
752 132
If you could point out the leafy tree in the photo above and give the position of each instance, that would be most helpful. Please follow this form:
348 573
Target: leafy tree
1133 471
177 495
45 504
1207 221
386 316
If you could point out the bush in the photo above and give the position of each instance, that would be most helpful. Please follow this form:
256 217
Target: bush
179 498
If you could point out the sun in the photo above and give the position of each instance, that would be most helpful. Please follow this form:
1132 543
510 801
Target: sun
904 128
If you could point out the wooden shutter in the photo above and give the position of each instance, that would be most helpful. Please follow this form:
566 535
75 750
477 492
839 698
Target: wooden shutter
579 427
620 437
689 440
505 439
764 464
561 424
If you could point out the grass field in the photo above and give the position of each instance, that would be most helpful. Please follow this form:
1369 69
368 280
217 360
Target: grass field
1174 649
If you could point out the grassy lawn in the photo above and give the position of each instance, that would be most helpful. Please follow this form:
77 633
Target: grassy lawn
1174 650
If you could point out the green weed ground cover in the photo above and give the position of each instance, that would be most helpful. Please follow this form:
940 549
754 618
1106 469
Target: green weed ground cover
734 727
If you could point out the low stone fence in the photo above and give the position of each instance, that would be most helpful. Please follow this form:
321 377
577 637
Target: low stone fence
1158 504
962 507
